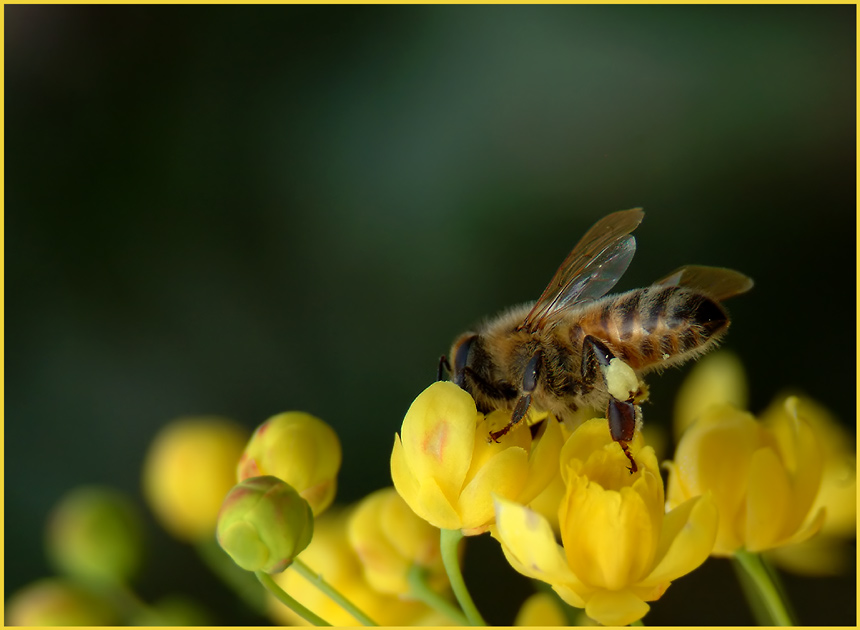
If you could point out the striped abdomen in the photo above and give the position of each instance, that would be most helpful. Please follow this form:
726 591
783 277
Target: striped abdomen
656 326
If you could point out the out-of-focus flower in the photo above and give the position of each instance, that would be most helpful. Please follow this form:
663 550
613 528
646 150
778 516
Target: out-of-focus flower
58 602
95 533
717 378
300 449
763 476
264 524
389 539
330 556
446 470
620 550
829 551
172 610
541 609
189 468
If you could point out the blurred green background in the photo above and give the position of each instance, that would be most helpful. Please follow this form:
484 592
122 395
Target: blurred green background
247 210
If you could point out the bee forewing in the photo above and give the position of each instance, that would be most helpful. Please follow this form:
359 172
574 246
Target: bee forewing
718 283
592 268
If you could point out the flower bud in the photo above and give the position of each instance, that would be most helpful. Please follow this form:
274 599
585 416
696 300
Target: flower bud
264 524
389 539
189 468
299 449
57 602
94 533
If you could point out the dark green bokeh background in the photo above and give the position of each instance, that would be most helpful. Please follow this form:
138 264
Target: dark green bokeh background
243 211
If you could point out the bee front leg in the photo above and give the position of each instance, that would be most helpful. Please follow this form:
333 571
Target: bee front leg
519 413
443 364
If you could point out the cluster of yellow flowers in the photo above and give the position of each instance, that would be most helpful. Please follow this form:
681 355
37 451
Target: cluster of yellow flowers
560 501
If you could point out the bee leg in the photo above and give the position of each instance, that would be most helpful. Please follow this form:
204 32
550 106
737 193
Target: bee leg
622 426
595 356
621 414
519 413
443 362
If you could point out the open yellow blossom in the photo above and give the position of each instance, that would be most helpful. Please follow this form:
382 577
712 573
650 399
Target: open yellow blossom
715 379
620 549
389 539
446 469
828 552
299 449
764 476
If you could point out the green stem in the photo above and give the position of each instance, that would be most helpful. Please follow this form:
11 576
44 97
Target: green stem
762 591
317 580
420 590
239 580
306 614
448 539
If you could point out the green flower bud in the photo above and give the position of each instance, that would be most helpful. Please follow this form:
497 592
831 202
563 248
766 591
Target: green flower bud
95 533
264 524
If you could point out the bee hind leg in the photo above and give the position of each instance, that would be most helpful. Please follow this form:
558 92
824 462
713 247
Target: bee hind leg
621 414
622 426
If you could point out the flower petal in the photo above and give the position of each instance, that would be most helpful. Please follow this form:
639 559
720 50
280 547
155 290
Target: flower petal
714 454
609 537
718 378
768 497
503 475
426 499
438 435
529 544
543 460
686 540
616 608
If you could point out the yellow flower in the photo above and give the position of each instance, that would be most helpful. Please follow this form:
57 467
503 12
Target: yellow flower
718 378
189 467
389 539
829 551
264 524
763 476
95 533
620 550
330 556
445 468
58 602
541 609
300 449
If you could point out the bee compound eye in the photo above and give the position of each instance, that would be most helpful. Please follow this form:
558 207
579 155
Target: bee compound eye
461 356
530 377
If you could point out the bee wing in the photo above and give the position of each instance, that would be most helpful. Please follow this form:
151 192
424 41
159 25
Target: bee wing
592 268
715 282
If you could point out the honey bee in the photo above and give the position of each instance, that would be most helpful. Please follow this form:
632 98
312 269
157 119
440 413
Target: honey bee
575 348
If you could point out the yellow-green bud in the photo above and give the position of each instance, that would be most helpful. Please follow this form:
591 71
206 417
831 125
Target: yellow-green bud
300 449
95 533
264 524
58 602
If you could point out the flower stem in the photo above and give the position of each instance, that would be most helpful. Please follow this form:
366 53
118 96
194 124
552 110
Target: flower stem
241 581
272 586
761 589
420 590
448 540
317 580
